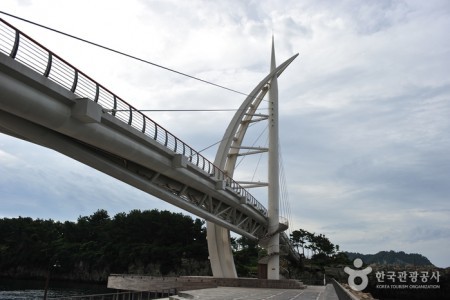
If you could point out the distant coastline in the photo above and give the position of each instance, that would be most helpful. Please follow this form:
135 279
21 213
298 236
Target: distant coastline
391 258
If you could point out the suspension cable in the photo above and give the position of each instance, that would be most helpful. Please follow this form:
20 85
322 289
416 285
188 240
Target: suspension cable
256 140
124 54
285 202
186 110
259 159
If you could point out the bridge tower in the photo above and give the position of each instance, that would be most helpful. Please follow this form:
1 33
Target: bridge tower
273 265
219 245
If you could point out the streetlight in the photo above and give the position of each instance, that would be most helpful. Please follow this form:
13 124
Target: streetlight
47 280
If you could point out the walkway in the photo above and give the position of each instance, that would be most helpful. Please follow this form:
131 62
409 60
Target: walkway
234 293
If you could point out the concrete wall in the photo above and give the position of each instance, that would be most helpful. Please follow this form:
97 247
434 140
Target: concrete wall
184 283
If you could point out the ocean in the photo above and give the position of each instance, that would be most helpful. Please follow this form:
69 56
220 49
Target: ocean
34 289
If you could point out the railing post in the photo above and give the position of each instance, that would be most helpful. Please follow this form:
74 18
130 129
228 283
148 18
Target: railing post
15 46
97 92
130 119
167 137
49 65
156 131
144 124
115 106
75 82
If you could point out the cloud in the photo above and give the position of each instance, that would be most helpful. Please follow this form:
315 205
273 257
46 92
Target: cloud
41 183
7 158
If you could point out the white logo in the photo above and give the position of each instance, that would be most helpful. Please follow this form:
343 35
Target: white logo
353 274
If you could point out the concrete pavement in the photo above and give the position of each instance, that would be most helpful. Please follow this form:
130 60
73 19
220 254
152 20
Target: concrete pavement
238 293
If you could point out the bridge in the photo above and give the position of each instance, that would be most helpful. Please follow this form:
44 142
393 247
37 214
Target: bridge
47 101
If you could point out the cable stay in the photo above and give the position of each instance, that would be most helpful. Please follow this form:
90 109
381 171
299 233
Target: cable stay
256 150
261 117
252 184
123 54
179 110
257 115
286 210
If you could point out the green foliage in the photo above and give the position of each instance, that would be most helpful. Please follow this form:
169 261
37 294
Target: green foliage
318 245
321 253
246 253
153 242
316 250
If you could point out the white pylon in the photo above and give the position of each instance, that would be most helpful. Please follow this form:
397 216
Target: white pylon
219 245
273 265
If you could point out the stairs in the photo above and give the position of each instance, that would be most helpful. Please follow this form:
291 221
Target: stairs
282 226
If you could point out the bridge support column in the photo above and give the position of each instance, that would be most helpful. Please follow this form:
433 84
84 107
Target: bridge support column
220 254
273 265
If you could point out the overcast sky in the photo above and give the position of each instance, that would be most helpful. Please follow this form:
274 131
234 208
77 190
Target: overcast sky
364 109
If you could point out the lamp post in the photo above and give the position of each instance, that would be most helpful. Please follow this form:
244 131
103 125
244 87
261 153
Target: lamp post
47 279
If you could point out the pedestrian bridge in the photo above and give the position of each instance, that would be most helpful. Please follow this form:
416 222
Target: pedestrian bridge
47 101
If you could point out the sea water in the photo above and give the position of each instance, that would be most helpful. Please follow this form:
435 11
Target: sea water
34 289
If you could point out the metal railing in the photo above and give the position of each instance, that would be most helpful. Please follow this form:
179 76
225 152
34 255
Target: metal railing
32 54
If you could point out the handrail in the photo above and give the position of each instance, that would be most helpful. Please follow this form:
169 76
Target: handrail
32 54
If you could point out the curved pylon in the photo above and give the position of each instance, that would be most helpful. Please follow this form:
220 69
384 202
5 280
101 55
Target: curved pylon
219 245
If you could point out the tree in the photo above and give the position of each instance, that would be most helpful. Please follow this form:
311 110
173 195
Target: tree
151 242
324 245
299 239
246 253
317 244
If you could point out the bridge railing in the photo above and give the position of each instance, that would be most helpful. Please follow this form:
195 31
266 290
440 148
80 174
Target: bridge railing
32 54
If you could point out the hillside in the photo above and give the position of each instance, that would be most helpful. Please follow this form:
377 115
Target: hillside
391 258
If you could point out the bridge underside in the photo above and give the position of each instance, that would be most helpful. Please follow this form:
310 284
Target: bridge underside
37 110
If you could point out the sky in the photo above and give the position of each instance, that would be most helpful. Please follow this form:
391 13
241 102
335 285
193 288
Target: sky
364 109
